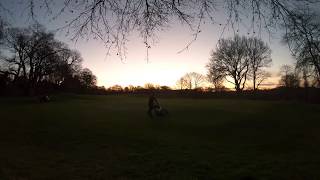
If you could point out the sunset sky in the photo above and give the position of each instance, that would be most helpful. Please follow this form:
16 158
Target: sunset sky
164 65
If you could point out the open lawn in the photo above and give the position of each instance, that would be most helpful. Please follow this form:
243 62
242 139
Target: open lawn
111 137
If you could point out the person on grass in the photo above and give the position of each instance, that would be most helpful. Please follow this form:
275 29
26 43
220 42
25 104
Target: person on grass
153 104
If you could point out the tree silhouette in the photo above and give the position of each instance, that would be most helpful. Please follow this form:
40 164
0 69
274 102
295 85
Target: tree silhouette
303 37
87 78
34 59
239 58
68 65
230 60
215 79
150 86
181 83
289 78
191 80
33 54
259 55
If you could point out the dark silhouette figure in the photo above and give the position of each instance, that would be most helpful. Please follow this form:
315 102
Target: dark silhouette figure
153 104
155 108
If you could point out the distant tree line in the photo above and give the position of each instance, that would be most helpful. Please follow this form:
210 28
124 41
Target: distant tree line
33 62
277 93
191 80
131 88
295 77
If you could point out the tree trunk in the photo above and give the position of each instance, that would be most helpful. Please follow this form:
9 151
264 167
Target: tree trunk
254 81
237 87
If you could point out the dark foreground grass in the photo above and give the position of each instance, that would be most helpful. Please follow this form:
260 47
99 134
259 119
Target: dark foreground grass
109 137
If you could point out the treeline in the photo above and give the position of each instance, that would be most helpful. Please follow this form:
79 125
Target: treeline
306 95
33 62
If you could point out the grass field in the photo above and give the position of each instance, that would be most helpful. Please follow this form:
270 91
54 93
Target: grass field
110 137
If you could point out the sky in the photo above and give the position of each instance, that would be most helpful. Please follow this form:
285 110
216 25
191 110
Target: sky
164 65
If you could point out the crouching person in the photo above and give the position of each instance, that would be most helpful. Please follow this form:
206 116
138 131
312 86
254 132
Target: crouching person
153 105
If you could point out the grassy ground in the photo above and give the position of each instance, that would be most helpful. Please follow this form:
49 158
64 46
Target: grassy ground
109 137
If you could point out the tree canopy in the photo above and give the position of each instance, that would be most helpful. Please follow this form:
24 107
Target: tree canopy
33 58
113 20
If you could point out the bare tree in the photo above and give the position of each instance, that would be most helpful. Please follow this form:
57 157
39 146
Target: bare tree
286 69
131 88
261 76
34 56
305 73
289 78
113 20
259 54
191 80
198 79
68 63
17 41
215 79
181 83
151 86
239 58
230 60
303 37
